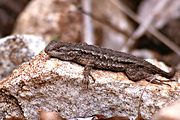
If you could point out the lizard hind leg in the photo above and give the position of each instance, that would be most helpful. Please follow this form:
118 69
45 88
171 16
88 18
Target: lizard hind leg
154 80
136 73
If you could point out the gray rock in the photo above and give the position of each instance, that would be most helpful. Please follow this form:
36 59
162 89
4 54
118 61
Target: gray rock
17 49
53 85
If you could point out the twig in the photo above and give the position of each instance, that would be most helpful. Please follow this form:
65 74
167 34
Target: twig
88 26
150 29
139 117
146 23
104 22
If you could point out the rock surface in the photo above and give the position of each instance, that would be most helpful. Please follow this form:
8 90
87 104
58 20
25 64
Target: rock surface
54 85
17 49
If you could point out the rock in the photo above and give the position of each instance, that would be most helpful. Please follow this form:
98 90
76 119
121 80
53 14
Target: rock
17 49
45 84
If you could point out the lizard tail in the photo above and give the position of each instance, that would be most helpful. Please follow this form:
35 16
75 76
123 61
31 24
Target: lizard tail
170 74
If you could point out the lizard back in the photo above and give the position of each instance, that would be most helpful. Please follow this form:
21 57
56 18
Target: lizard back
102 58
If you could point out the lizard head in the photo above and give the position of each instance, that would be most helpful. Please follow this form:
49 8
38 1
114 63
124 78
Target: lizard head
58 48
51 46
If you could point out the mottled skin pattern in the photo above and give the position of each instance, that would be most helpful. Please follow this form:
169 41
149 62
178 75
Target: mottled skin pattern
92 56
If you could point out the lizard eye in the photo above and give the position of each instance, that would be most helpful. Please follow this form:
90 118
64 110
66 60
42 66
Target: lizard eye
63 49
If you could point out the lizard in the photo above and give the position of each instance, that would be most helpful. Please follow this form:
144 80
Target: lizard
94 57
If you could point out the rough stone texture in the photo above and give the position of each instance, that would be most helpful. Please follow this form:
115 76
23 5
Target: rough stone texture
17 49
54 85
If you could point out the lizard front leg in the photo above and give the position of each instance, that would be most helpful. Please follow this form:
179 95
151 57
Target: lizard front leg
87 73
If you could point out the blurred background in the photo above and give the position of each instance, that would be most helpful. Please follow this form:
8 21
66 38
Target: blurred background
145 28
